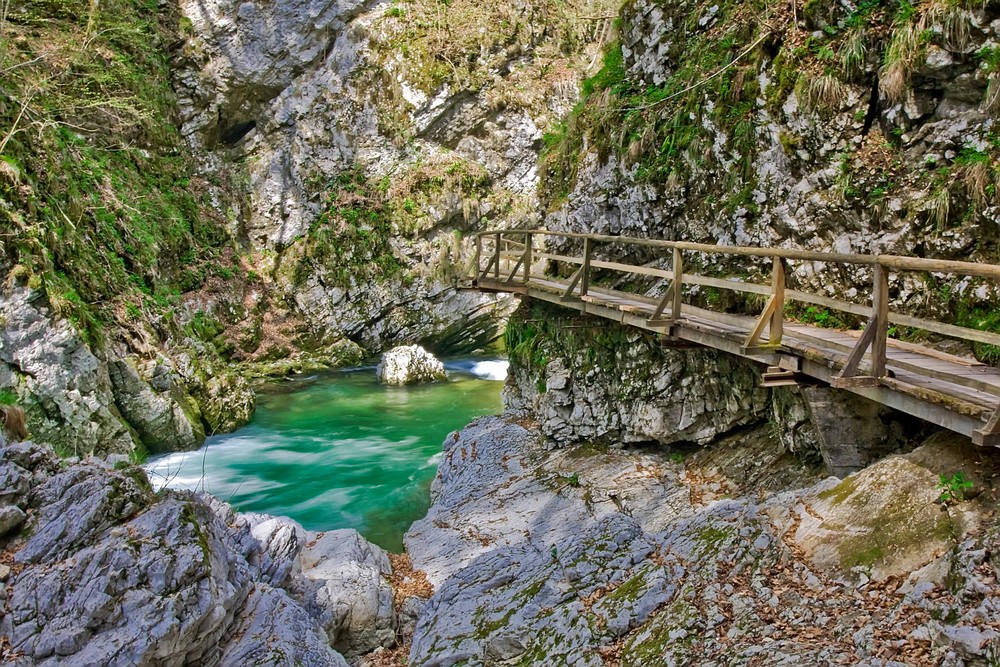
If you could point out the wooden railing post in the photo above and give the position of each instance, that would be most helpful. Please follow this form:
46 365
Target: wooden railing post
527 257
479 255
880 315
778 292
585 276
496 257
677 268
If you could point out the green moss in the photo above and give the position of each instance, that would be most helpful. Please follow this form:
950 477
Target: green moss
350 242
841 492
486 628
712 536
897 527
650 646
188 516
531 591
628 591
96 181
664 129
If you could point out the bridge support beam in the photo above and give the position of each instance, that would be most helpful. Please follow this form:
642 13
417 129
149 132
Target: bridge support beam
852 431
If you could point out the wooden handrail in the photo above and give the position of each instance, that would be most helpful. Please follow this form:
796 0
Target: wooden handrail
523 255
896 262
859 366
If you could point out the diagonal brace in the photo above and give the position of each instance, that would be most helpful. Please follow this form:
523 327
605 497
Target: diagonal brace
857 354
762 322
573 282
668 299
517 267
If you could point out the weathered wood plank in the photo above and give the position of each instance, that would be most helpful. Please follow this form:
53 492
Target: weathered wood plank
886 261
922 381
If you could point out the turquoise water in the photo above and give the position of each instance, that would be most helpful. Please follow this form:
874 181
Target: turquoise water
339 450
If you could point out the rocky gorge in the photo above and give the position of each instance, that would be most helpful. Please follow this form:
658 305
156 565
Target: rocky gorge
196 196
541 547
304 195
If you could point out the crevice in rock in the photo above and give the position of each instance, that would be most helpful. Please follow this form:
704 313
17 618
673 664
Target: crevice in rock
872 114
232 135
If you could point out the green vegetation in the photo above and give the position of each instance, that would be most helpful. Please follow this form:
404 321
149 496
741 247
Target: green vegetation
541 332
982 318
427 183
100 203
841 492
954 488
817 315
698 131
665 131
350 240
461 44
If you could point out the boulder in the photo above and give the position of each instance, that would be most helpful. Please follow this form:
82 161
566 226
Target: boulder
884 520
109 574
345 578
165 420
274 630
160 584
409 364
11 517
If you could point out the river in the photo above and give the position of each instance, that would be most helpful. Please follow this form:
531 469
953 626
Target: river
338 450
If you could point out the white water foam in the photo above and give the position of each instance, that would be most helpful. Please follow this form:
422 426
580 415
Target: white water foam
491 370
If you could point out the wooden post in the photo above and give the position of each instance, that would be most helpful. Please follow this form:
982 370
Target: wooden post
496 257
527 258
880 314
778 291
479 254
585 275
677 268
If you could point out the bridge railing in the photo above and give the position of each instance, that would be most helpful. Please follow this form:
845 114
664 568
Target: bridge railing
510 257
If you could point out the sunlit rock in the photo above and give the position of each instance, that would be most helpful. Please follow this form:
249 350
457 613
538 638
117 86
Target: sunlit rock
410 364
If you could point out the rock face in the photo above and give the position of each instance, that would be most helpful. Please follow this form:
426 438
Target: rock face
496 475
105 572
410 364
349 588
709 558
161 420
652 395
73 396
365 171
47 359
337 189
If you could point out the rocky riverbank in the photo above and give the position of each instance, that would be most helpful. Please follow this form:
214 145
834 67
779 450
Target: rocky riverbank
731 554
535 551
105 572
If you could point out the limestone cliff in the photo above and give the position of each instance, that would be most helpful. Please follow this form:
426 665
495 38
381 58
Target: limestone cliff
835 126
272 187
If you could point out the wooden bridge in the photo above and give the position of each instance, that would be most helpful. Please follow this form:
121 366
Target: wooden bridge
954 392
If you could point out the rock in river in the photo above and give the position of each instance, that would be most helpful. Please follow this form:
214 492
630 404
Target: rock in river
409 364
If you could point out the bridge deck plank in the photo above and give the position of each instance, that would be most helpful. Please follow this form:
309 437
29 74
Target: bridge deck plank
962 385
